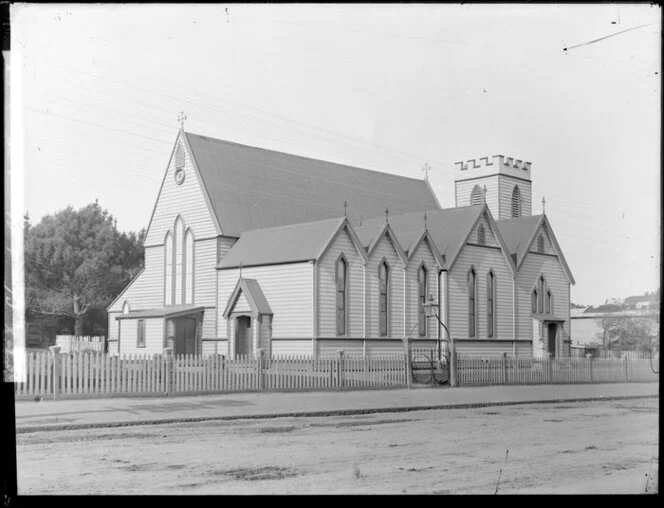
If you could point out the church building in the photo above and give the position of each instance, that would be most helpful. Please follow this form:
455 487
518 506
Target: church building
251 249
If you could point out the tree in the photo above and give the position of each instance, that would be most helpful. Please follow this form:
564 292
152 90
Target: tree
76 262
628 333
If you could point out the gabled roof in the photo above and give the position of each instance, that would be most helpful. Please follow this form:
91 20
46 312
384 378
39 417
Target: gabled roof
522 232
254 188
447 228
254 295
370 236
517 232
283 244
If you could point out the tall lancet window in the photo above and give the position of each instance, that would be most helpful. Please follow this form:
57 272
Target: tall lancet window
516 202
341 282
422 287
168 263
481 235
476 196
189 267
383 282
472 302
179 258
490 304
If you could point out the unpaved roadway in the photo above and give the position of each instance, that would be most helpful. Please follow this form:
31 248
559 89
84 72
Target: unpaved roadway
592 447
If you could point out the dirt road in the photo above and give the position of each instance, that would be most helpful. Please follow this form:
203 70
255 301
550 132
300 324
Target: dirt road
598 447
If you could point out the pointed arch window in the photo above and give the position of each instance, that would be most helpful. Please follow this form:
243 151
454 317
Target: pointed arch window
481 235
490 303
533 302
549 302
189 267
476 196
125 308
422 288
516 202
179 157
179 259
540 244
472 303
540 292
342 300
168 263
383 303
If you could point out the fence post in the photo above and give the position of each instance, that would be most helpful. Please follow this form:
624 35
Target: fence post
625 368
453 365
340 367
168 356
504 367
590 366
259 367
55 354
409 367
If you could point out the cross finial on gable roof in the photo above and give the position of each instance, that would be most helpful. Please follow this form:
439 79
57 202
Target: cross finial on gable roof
425 220
543 204
182 116
387 215
345 209
484 194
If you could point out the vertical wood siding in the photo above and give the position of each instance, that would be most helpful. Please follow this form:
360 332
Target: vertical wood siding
482 259
422 253
147 290
507 184
464 190
327 324
154 336
287 289
186 199
385 250
554 275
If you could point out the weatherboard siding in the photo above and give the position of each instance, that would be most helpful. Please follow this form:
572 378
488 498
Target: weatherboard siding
465 189
205 273
490 237
548 246
421 254
154 336
292 347
482 259
554 274
214 347
483 347
287 289
113 326
187 200
224 244
327 313
147 290
385 250
507 184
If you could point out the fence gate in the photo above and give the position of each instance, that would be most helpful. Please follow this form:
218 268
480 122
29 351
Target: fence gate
428 365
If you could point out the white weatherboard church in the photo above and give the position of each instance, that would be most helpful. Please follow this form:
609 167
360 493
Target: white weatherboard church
249 248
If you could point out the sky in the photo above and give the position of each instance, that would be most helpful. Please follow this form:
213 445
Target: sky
96 91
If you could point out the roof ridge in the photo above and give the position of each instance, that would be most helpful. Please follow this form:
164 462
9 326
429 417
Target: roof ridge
234 143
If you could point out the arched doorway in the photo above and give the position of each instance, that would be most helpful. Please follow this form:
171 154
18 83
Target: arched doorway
243 336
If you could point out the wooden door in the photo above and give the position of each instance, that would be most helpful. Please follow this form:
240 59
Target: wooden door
189 333
243 336
551 342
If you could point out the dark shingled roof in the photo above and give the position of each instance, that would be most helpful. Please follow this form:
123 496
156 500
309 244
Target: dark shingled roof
517 232
447 227
253 188
283 244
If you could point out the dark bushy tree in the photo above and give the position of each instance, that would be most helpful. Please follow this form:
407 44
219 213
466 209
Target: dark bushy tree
76 263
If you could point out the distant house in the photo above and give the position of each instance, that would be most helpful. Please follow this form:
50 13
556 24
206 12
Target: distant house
250 248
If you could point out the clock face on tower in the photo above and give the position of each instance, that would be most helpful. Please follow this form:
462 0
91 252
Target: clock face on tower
179 176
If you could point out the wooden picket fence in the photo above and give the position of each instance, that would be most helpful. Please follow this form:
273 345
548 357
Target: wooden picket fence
475 370
96 374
